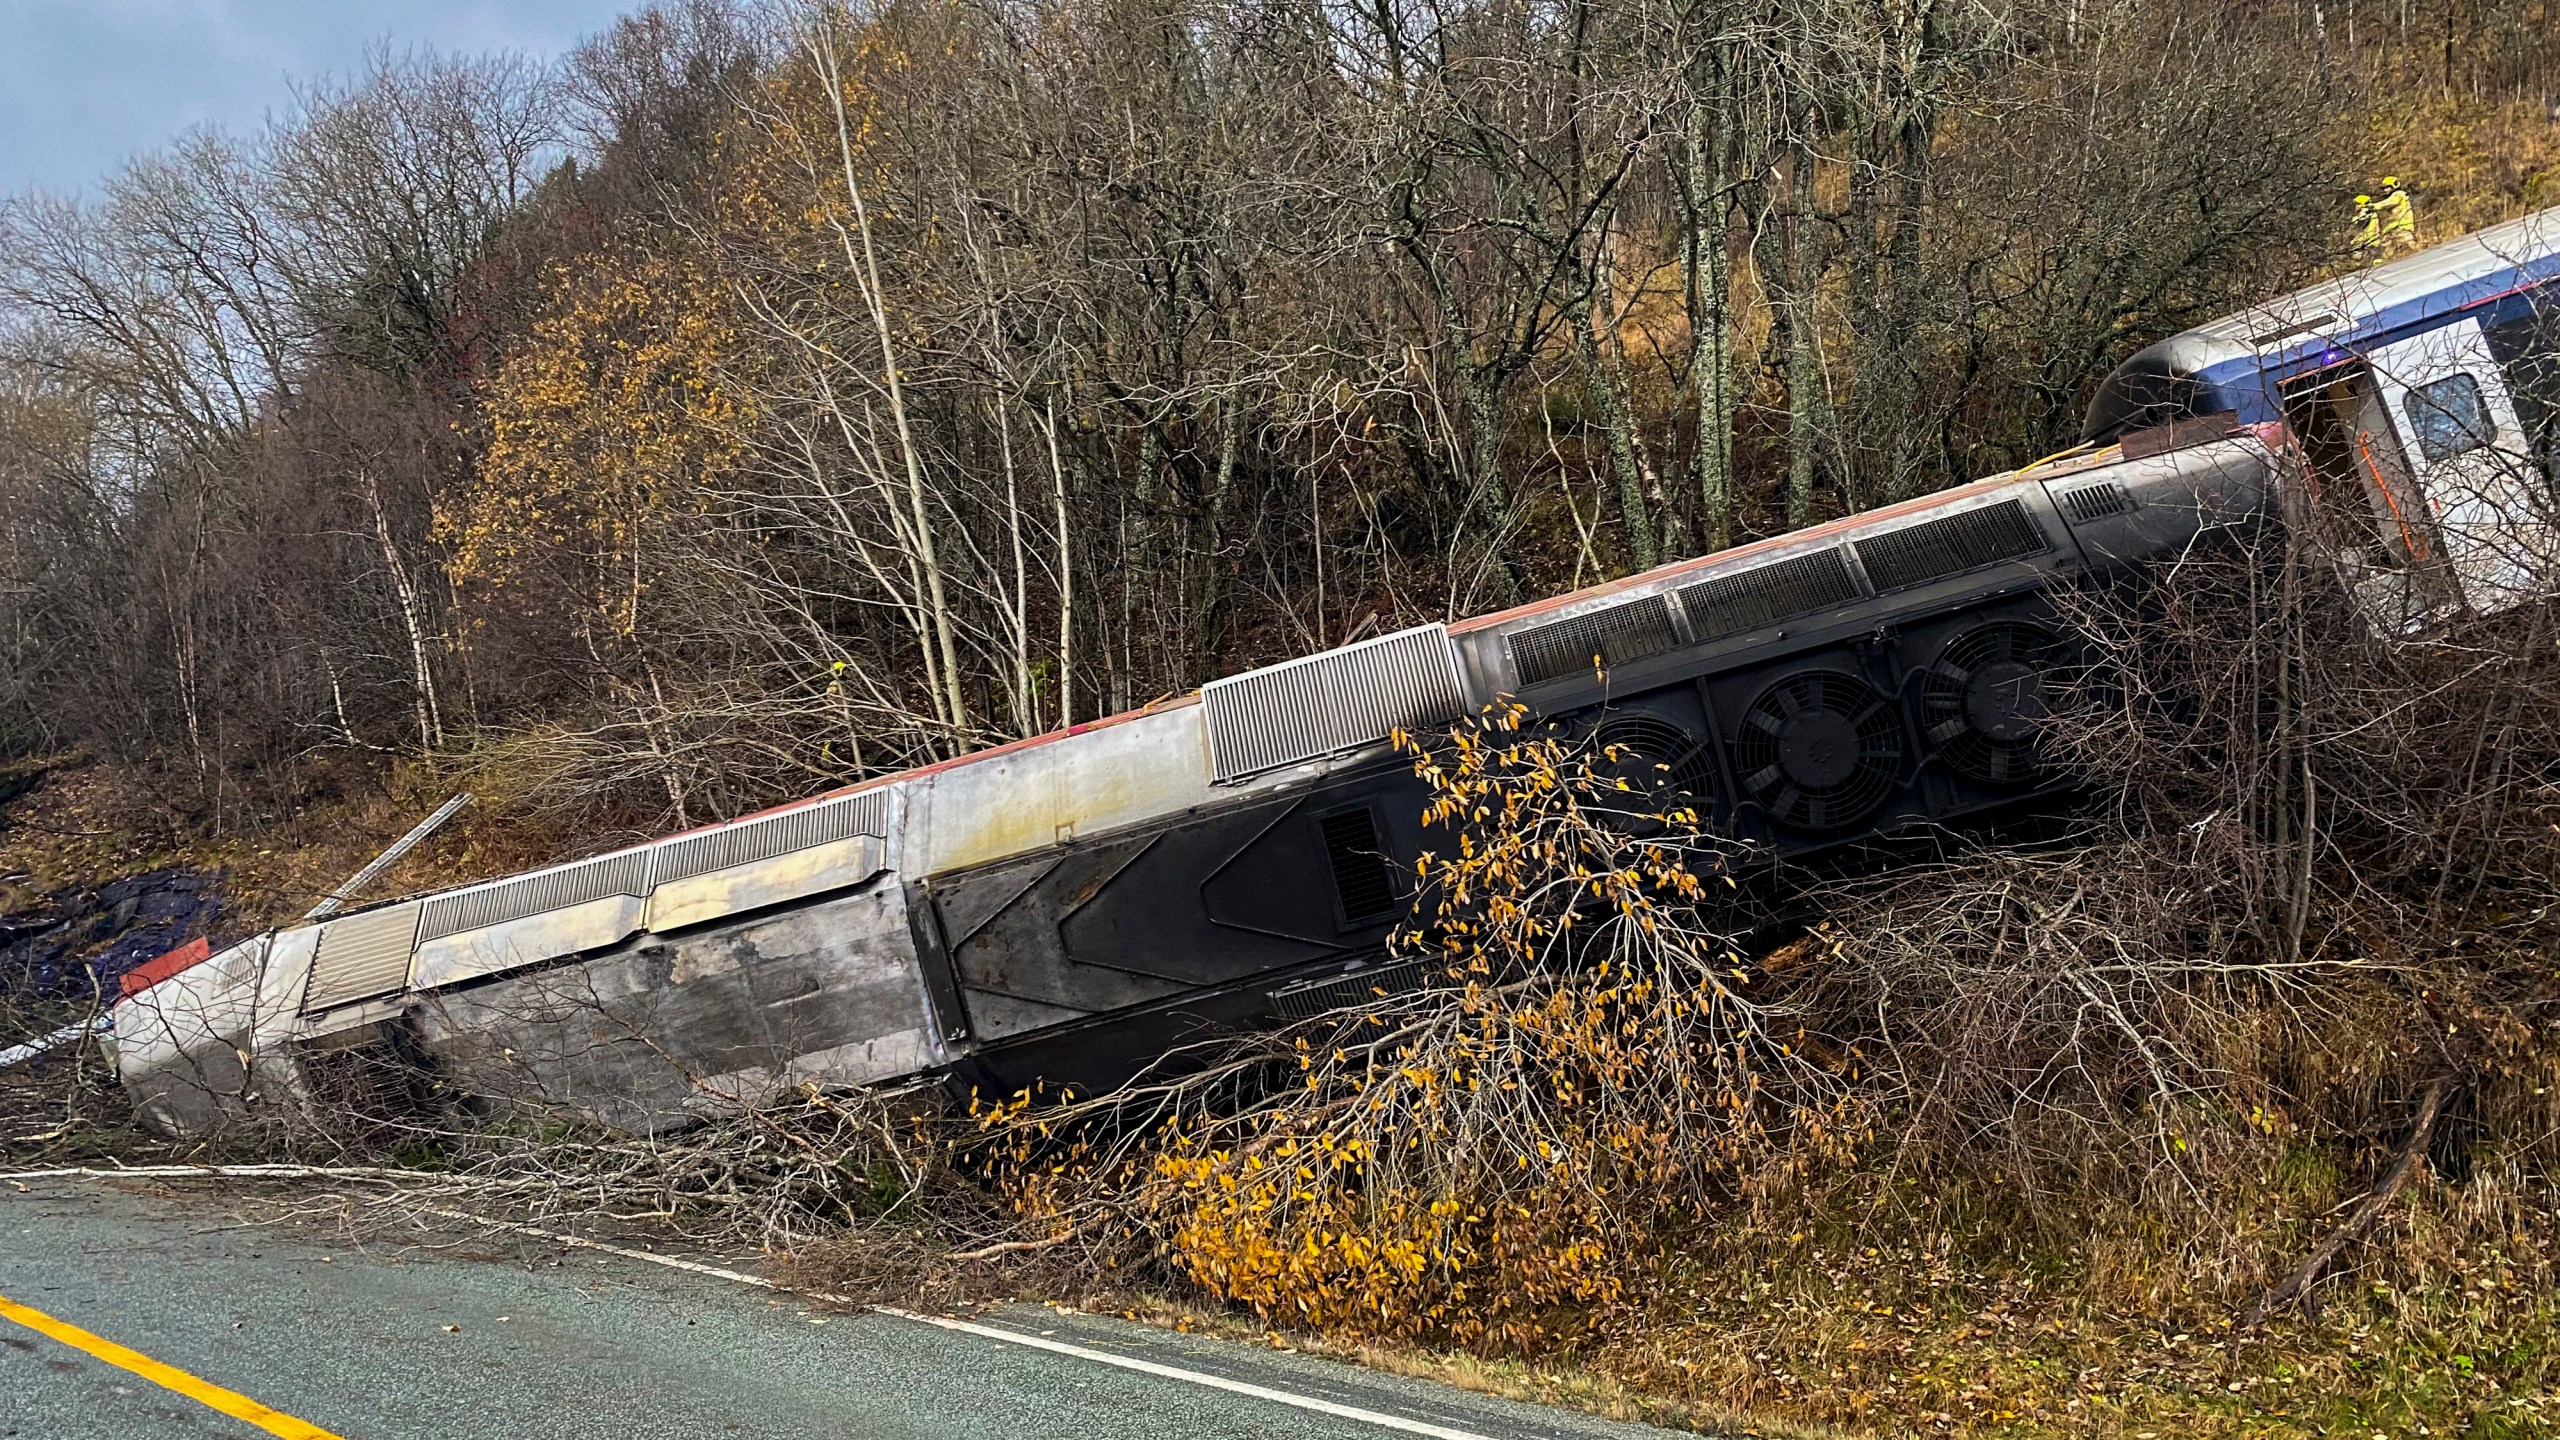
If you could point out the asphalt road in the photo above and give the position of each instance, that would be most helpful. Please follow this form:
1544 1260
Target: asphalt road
517 1339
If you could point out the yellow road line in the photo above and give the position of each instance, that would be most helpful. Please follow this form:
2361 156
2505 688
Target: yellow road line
169 1377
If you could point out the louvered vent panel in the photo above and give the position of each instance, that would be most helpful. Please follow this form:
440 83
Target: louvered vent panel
362 955
1934 549
821 824
1755 599
1614 636
1360 877
2095 502
451 914
1307 1000
1340 700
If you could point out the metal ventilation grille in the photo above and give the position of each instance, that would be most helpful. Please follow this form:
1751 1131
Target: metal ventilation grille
1339 700
1647 769
362 955
1819 750
2095 502
761 839
1983 701
1613 636
1359 864
1934 549
1312 998
1755 599
460 910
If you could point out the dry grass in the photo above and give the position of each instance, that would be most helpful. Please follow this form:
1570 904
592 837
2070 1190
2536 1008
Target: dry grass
2468 164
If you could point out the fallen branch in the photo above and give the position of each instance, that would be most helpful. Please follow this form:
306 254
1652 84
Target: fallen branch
376 1174
2404 1165
1011 1247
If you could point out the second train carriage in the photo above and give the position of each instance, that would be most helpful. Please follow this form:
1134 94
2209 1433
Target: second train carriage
2426 395
1068 908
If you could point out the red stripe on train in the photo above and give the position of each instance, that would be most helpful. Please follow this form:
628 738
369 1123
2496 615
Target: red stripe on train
160 967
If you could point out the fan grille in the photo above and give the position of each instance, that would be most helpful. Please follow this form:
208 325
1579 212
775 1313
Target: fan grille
1664 767
1819 750
1983 700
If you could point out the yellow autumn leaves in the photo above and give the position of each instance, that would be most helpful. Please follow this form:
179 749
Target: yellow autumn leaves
1495 1157
604 425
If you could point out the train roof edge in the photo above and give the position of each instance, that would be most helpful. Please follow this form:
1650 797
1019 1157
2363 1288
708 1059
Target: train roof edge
2324 324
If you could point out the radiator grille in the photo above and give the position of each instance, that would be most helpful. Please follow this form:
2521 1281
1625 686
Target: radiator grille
460 910
1934 549
1614 636
362 955
1312 998
761 839
1755 599
1360 875
1340 700
2095 502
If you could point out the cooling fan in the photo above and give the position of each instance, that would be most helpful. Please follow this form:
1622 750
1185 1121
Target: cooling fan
1983 700
1819 750
1664 766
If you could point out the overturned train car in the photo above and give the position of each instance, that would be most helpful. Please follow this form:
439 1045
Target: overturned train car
1067 909
1070 907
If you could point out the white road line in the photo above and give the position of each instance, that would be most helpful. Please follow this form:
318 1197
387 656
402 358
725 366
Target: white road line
1378 1418
670 1261
1194 1377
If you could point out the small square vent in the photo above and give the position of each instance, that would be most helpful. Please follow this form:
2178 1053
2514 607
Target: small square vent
2094 502
1360 876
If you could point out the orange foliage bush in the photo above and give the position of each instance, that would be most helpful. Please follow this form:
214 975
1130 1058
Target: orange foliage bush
1495 1156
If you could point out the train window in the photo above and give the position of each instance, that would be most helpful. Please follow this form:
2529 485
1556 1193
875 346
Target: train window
2448 418
2529 351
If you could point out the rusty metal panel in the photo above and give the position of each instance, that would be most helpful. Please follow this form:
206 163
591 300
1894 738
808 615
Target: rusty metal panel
362 955
625 873
1324 704
764 837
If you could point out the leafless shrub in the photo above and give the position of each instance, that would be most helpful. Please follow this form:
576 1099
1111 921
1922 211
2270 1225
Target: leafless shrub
2308 928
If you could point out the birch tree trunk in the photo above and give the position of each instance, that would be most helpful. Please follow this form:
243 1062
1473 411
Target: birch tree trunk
1066 575
1710 183
1806 408
412 618
1643 547
861 255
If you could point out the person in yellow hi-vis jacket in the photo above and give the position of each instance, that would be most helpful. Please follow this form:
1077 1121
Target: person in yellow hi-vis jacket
2390 224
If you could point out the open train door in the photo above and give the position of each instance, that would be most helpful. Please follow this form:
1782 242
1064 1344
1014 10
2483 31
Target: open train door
2448 404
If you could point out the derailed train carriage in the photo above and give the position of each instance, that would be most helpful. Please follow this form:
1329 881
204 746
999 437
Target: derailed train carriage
1067 909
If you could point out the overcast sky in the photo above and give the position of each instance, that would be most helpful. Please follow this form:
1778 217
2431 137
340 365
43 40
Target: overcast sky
84 84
